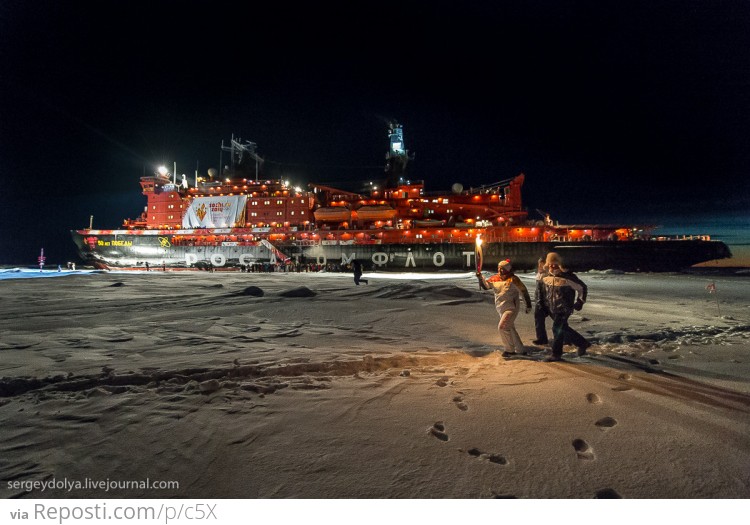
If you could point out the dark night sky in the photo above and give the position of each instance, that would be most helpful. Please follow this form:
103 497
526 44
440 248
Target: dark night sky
636 110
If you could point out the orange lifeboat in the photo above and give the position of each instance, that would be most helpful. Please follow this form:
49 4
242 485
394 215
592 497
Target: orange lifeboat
376 213
332 214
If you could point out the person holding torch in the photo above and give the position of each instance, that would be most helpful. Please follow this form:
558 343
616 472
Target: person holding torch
508 290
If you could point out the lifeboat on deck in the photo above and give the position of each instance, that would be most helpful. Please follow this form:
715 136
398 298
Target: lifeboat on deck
427 223
332 214
376 213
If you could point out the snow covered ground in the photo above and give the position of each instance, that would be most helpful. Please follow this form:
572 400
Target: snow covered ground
305 386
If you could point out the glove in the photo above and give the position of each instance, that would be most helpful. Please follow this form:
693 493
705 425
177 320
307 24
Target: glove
578 305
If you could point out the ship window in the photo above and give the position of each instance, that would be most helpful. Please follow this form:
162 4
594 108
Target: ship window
253 214
279 202
154 206
267 202
279 213
292 213
255 203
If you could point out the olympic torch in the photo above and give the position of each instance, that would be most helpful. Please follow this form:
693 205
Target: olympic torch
478 255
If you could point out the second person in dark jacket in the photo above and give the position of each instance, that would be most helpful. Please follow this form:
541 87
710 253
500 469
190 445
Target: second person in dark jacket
556 291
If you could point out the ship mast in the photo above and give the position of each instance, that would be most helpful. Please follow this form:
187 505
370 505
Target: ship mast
397 157
241 152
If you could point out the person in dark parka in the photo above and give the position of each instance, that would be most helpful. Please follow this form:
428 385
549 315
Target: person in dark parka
557 290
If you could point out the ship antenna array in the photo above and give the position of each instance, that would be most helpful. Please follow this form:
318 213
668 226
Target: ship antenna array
237 150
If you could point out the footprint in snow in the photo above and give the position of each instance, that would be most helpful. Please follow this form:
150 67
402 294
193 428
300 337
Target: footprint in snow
492 458
438 430
583 450
459 401
593 399
607 494
606 422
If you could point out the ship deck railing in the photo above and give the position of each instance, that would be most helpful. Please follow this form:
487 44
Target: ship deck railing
680 238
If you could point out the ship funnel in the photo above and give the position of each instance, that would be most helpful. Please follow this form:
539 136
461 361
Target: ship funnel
457 188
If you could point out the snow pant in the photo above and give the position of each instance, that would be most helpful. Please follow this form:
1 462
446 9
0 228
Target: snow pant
358 279
508 334
563 333
540 317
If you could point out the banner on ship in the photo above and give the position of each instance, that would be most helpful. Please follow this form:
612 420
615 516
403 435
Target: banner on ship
216 212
